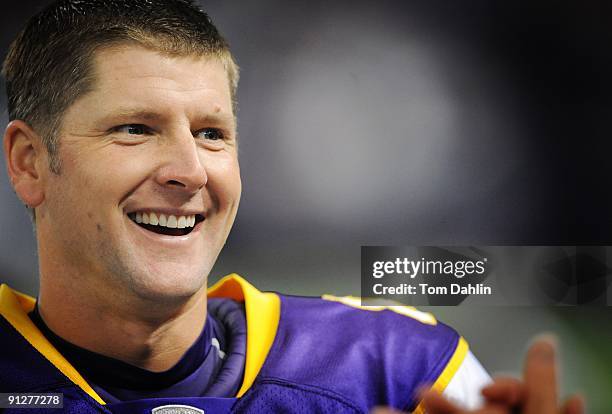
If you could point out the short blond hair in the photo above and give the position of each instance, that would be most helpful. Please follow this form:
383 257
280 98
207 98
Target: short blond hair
50 63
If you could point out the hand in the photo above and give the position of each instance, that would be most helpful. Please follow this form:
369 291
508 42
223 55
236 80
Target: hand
537 394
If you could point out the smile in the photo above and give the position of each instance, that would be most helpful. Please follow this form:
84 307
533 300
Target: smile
167 224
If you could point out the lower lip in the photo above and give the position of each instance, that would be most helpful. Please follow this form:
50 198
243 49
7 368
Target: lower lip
166 238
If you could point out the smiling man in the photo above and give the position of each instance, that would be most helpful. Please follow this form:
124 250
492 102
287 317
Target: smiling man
147 192
122 143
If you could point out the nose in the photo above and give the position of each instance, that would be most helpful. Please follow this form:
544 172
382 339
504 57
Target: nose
182 167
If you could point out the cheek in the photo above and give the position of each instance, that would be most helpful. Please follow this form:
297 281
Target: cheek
114 172
122 170
89 185
224 182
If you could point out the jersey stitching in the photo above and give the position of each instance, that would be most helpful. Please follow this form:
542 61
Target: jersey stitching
312 389
45 387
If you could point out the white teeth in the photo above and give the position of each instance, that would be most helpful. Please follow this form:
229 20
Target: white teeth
153 219
171 221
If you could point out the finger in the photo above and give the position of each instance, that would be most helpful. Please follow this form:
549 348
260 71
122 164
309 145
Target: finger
492 409
574 405
541 377
504 390
435 403
385 410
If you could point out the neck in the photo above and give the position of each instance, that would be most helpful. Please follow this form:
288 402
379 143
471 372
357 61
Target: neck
138 331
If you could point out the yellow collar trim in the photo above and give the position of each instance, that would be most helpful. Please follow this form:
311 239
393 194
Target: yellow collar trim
15 306
451 369
262 315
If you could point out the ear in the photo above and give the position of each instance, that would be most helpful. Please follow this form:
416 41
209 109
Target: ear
25 156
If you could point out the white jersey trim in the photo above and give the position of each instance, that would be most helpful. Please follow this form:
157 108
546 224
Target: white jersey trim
464 388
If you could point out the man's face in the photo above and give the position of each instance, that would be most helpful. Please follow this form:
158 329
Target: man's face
154 141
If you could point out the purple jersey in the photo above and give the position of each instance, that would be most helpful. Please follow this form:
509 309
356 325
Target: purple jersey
211 367
303 355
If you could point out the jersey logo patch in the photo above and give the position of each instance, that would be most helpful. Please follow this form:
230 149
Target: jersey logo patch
176 409
409 311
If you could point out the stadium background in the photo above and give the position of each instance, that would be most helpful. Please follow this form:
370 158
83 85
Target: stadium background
409 122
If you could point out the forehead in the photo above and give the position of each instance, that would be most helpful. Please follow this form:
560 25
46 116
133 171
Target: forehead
133 75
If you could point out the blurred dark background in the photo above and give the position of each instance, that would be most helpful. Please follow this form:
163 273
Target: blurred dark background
409 122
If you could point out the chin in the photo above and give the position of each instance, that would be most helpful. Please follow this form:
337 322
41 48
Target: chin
170 285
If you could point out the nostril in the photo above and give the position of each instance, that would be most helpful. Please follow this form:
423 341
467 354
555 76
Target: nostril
177 183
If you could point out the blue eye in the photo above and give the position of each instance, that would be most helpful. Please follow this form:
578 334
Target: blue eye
133 129
211 134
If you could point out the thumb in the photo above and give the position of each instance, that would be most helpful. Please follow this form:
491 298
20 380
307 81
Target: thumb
435 403
574 405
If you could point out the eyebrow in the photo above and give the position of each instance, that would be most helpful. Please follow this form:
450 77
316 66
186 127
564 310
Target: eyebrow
149 115
135 113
